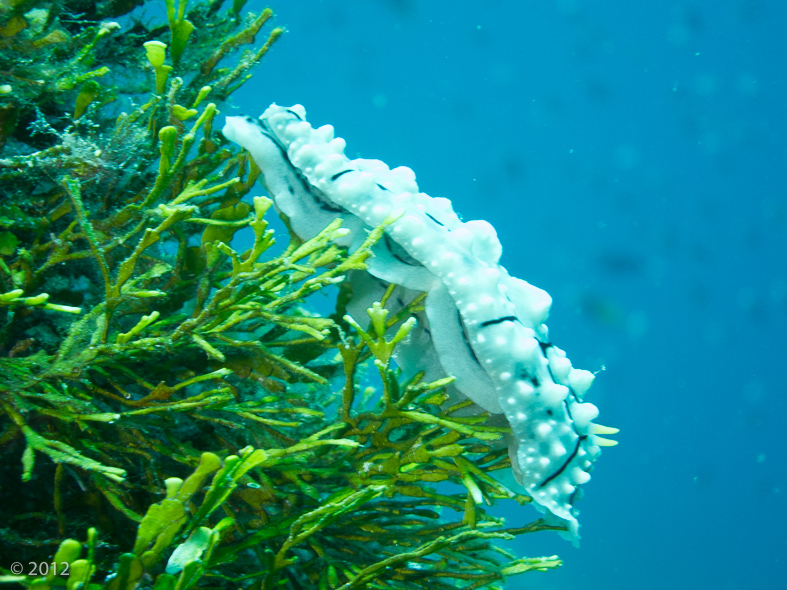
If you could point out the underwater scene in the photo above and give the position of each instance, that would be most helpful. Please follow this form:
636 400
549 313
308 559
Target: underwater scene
392 294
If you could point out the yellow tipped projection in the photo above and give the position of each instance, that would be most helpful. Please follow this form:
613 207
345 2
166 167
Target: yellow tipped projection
599 429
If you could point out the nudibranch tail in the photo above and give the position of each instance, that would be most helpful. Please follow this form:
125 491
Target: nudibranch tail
479 324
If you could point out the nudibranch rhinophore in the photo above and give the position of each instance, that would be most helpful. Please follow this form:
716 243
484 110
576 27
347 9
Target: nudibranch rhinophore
480 325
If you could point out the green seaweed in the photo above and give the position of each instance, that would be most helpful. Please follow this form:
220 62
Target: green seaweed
166 394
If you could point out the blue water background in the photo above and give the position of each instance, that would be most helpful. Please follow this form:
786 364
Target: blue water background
632 157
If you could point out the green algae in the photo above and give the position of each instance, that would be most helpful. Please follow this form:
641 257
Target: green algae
165 394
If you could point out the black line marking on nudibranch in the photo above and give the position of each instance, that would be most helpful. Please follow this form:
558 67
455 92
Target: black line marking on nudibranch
563 467
338 174
433 219
466 339
544 347
272 138
508 318
322 201
294 114
294 169
253 121
568 411
401 255
328 206
525 376
383 188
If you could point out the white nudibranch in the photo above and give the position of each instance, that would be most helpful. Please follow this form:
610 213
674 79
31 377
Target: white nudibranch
480 325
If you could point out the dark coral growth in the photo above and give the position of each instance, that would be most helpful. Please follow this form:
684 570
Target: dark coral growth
167 399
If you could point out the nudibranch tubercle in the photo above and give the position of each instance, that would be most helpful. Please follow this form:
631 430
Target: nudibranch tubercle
480 325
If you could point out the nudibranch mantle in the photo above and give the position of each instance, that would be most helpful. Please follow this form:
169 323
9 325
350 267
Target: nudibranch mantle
480 325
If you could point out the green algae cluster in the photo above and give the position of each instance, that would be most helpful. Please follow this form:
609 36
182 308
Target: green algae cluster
172 414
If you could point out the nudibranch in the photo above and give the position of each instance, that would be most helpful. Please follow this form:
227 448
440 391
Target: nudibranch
479 324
